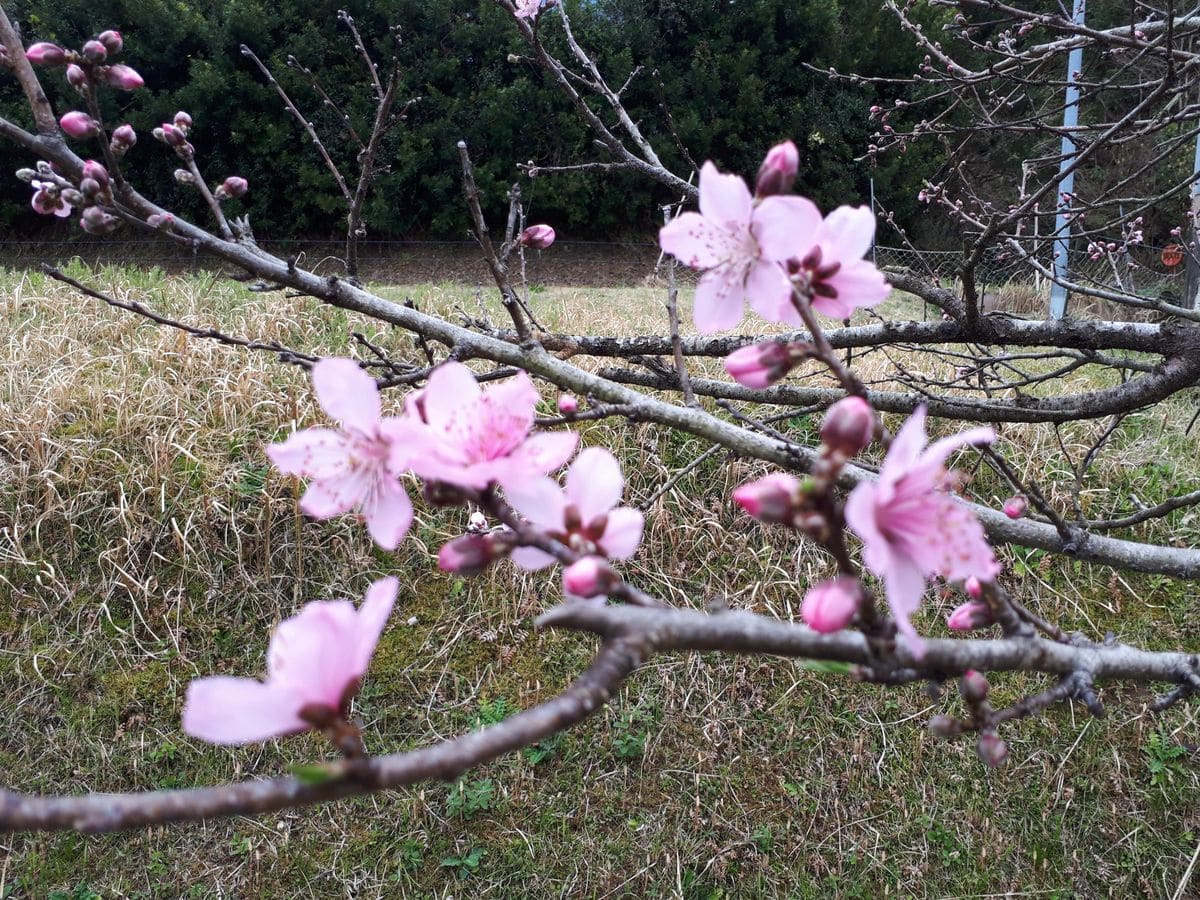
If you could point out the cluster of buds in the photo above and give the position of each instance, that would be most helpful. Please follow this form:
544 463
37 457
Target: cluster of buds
89 65
537 237
232 187
761 365
53 194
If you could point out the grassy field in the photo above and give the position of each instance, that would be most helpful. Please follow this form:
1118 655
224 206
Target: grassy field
143 542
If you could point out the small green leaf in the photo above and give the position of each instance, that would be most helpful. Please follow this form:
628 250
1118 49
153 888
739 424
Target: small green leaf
312 774
826 666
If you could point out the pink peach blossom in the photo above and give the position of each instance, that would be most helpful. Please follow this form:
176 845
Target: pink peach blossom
585 516
831 268
47 200
740 244
315 662
475 437
912 528
527 9
356 467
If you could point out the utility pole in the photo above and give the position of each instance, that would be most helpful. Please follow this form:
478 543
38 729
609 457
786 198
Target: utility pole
1066 182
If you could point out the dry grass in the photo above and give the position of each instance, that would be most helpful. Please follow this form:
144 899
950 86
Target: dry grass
144 542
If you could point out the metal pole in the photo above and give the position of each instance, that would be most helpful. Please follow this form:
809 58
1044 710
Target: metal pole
1066 183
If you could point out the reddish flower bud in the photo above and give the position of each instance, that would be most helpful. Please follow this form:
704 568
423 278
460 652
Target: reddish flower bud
973 588
761 365
973 686
79 125
93 169
849 426
775 499
170 135
969 616
96 221
831 605
943 726
469 555
123 78
992 750
233 186
182 120
90 188
162 222
44 53
1014 507
111 40
123 138
778 171
76 77
95 52
539 237
568 405
588 577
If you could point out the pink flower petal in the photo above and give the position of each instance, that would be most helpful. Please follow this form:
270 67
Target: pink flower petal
539 454
224 710
623 533
389 514
695 241
847 233
311 453
372 617
720 300
786 226
540 500
313 652
859 284
347 393
336 495
451 387
531 558
905 585
770 293
594 483
724 198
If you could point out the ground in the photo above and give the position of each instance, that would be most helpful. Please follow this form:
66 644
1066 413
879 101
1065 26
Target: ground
144 542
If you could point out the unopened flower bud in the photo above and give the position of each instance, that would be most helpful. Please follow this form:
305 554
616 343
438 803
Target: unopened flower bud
111 40
539 237
973 588
76 77
90 188
969 616
27 175
233 186
43 53
123 138
943 726
79 125
93 169
183 176
71 196
775 499
973 686
170 135
161 221
588 577
96 221
470 554
992 750
182 120
95 52
568 405
761 365
831 605
849 426
1014 507
124 78
778 171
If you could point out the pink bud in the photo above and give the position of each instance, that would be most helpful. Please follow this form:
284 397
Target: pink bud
468 555
170 135
973 686
161 221
233 186
943 726
775 499
849 426
539 237
79 125
969 616
588 577
567 404
182 120
992 750
1014 507
44 53
93 169
973 588
76 77
778 171
111 40
95 52
760 365
831 605
96 221
123 78
123 137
